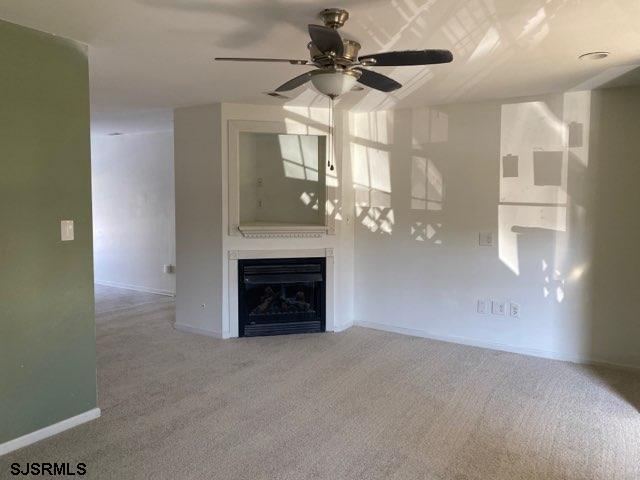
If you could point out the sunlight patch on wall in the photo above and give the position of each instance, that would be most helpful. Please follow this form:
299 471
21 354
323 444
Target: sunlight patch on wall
533 142
319 114
371 176
309 199
533 179
428 126
532 226
278 174
435 187
293 170
379 171
554 283
426 232
577 115
544 153
418 183
300 156
427 187
374 126
376 219
331 207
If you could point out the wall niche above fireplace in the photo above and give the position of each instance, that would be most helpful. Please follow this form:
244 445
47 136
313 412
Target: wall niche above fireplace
277 180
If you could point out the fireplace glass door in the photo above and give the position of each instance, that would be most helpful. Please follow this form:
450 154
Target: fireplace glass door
281 296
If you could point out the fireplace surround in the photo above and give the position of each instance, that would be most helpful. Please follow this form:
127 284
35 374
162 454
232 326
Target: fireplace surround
280 296
231 323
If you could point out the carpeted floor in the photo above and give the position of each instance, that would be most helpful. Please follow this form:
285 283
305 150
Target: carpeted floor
361 404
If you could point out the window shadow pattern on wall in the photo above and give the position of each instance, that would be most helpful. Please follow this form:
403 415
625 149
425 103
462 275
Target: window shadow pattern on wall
421 176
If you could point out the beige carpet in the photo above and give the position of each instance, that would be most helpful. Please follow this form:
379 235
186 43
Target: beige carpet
362 404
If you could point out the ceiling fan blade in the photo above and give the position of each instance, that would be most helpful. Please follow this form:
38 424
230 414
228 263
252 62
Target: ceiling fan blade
326 39
281 60
294 82
378 81
409 57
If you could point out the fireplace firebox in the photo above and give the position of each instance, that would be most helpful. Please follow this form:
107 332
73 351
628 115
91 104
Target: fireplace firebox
281 296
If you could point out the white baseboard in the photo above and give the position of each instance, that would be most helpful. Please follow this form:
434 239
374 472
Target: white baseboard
136 288
342 328
534 352
49 431
198 331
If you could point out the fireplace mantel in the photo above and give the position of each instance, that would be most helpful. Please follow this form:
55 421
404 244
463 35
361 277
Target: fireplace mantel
277 230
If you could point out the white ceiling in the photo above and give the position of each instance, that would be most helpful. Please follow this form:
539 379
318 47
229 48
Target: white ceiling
149 56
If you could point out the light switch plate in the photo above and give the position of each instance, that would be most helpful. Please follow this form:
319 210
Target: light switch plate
66 230
514 310
485 239
498 307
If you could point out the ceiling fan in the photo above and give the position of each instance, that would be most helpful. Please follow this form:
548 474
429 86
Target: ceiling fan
338 65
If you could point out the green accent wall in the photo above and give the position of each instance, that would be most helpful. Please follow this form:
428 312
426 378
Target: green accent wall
47 331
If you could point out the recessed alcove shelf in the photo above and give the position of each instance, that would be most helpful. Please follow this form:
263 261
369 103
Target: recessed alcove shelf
277 180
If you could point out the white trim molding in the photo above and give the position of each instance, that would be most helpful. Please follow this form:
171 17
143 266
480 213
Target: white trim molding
198 331
135 288
342 328
283 231
503 347
49 431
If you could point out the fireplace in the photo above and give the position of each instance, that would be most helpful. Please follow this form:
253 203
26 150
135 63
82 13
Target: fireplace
281 296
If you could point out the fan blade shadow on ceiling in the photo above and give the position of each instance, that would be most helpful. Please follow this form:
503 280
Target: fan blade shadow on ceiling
259 18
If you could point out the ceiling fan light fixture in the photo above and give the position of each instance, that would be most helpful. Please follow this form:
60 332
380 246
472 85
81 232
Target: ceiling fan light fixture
334 83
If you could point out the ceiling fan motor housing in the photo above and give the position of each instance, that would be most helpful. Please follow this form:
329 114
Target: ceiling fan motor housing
349 55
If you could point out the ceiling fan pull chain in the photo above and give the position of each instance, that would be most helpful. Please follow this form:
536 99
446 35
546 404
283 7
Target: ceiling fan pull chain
330 161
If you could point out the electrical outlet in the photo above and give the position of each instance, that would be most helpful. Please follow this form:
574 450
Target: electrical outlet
482 306
485 239
497 307
168 268
514 310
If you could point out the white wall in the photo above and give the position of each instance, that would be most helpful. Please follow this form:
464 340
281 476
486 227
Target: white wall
198 184
133 210
429 181
614 168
